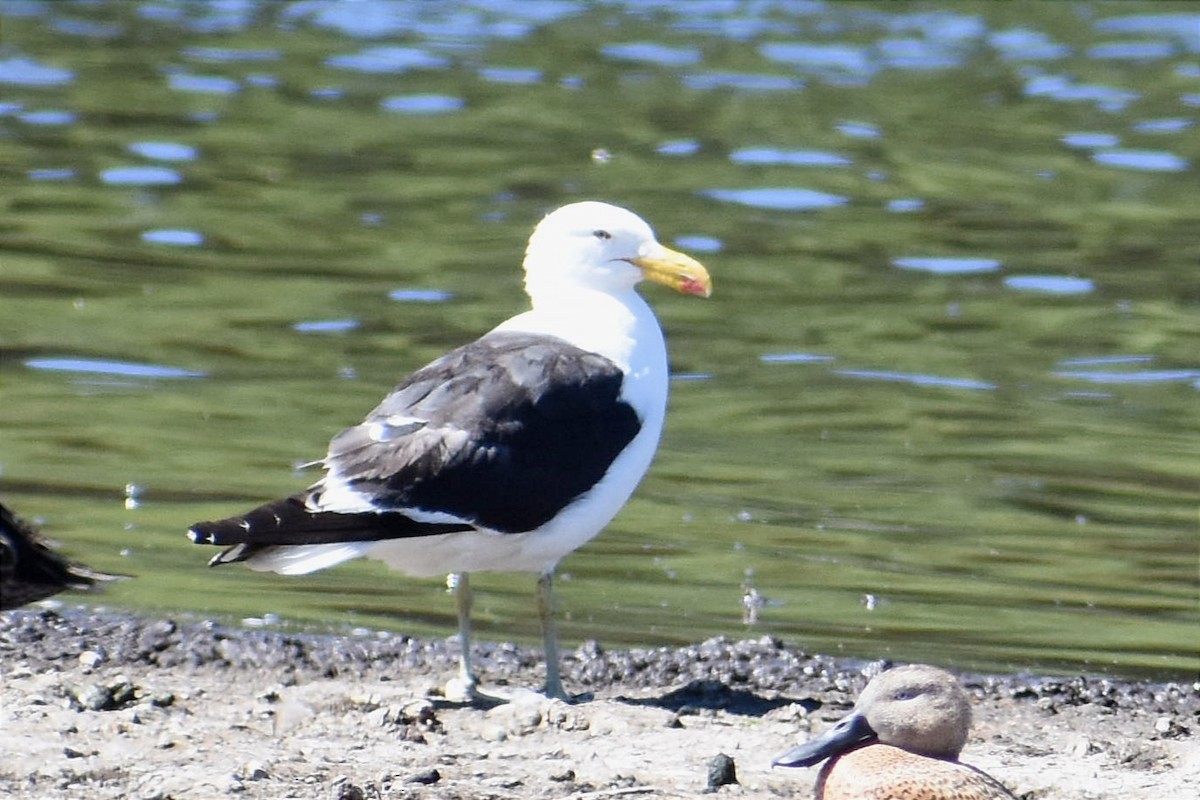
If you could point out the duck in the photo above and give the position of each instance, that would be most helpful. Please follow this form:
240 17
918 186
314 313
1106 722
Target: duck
901 741
30 570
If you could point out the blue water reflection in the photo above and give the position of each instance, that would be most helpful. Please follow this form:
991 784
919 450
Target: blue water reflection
420 295
422 104
653 53
795 358
821 57
1022 44
796 158
905 205
51 174
1167 125
123 369
141 176
860 130
49 117
1050 284
164 151
700 244
1065 89
1133 377
780 199
387 59
741 81
514 75
679 147
916 379
229 55
943 265
1141 160
21 71
326 326
203 84
175 237
1089 140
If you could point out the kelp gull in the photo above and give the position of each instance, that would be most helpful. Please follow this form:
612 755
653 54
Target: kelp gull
507 453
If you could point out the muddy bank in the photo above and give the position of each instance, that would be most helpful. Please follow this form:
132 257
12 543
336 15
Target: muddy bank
108 706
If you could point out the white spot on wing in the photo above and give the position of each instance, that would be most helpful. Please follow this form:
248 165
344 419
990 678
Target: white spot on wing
394 427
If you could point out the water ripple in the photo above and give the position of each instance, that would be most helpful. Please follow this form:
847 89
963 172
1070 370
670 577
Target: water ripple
422 104
141 176
1167 125
1185 25
203 84
653 53
21 71
326 326
916 379
1022 44
796 158
175 237
420 295
795 358
229 55
1095 361
124 369
48 117
51 174
782 199
943 265
1142 376
1050 284
1141 160
817 56
164 151
905 205
387 59
678 147
1131 51
516 75
859 130
741 81
1085 140
700 244
1064 89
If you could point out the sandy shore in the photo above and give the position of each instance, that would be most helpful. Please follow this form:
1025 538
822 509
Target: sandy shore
109 706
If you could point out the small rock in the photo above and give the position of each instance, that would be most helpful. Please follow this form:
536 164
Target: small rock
162 699
426 778
721 772
71 752
348 791
90 659
1168 728
1080 747
254 771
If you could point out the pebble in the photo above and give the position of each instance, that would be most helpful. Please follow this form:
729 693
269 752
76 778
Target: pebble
721 772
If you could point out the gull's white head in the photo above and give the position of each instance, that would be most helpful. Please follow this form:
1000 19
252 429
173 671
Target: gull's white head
600 246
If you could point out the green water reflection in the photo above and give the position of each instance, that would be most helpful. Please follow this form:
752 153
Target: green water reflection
990 466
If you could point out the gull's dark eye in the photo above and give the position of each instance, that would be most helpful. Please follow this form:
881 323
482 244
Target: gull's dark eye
602 234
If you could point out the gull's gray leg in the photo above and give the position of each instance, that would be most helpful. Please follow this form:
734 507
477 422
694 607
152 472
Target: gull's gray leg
462 687
545 595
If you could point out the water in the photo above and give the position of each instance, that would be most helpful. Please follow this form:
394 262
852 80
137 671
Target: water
943 405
